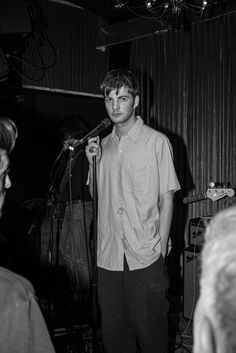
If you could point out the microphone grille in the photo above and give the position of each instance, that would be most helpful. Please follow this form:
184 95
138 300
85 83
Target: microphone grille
106 122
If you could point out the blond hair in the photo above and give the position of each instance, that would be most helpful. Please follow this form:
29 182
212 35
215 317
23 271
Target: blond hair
8 134
218 279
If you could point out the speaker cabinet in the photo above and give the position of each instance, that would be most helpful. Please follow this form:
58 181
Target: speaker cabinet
191 271
197 228
196 231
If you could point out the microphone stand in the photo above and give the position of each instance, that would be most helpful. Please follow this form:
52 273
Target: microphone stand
50 201
94 283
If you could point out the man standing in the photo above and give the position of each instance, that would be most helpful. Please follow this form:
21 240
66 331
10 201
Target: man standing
22 327
136 181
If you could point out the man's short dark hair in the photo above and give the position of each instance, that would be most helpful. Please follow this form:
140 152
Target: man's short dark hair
115 79
8 134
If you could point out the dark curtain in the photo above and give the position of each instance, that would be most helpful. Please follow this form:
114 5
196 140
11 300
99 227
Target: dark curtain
70 33
188 84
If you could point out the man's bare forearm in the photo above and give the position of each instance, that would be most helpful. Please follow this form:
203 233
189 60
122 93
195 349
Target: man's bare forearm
166 206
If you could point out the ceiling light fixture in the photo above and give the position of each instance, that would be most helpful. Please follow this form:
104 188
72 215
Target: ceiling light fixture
119 4
150 3
177 14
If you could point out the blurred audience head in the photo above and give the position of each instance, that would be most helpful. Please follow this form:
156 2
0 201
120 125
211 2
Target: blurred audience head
71 127
8 136
215 314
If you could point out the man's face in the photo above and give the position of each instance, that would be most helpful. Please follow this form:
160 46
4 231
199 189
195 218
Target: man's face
5 182
121 105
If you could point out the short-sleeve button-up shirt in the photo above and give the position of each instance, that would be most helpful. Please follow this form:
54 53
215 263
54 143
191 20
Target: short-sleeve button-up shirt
131 175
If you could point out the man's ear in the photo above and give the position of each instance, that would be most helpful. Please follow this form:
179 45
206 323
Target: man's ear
136 101
207 336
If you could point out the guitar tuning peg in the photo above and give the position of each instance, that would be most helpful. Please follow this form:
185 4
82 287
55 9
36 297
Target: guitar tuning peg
226 185
212 184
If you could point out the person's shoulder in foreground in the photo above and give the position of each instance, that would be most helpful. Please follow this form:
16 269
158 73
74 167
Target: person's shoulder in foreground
22 327
215 315
13 286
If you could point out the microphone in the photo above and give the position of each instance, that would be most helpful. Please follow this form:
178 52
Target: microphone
102 126
65 147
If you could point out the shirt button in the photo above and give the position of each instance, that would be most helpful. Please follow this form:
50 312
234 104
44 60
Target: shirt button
120 210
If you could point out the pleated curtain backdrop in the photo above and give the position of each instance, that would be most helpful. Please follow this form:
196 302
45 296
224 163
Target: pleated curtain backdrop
188 84
71 34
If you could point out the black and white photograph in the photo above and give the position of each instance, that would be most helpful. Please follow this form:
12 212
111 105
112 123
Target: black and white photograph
117 176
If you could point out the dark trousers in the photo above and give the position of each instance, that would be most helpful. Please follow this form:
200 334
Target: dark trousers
134 309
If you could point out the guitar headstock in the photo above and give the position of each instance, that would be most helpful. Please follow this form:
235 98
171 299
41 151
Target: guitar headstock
218 193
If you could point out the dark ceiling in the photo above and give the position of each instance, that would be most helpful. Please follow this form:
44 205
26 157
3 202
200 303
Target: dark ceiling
121 10
108 9
129 19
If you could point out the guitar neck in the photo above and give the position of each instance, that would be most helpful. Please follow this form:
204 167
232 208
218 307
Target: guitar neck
195 198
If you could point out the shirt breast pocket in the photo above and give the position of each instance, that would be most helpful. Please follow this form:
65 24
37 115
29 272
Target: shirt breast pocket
139 178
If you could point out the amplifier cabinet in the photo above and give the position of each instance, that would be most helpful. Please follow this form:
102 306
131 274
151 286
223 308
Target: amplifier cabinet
197 227
191 272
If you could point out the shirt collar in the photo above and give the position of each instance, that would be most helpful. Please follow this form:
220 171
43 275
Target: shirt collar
133 132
